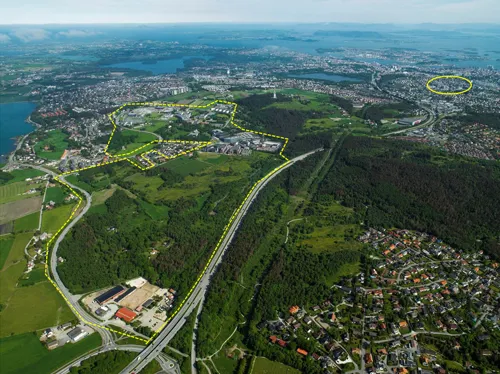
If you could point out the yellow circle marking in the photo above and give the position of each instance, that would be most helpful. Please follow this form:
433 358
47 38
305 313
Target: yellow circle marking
449 77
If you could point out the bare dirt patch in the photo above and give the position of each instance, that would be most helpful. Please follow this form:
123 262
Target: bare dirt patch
16 209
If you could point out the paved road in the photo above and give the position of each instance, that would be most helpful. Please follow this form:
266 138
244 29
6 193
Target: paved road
81 313
167 364
152 350
431 118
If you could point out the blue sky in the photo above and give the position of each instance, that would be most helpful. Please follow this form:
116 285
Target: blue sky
170 11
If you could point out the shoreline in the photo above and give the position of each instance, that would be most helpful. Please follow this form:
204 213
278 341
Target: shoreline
19 140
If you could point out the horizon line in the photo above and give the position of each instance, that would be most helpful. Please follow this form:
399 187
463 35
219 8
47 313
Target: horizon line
244 23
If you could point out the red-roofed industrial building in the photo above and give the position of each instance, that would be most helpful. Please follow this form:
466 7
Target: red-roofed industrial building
125 314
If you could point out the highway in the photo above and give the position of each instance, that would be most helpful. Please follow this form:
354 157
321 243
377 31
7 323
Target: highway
431 117
167 364
151 351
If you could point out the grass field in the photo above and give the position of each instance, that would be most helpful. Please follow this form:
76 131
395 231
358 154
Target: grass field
73 179
100 197
24 354
5 246
36 275
141 139
14 191
264 366
33 308
27 223
338 123
53 219
16 252
56 141
16 209
55 194
21 174
225 364
199 175
154 211
332 238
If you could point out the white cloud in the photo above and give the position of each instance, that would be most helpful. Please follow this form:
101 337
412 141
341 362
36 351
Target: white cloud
29 35
78 33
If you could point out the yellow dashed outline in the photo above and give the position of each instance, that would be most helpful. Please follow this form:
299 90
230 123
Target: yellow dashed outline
47 259
123 157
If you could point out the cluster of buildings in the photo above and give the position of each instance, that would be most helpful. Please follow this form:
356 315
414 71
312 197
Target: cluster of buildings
58 336
415 287
473 140
137 302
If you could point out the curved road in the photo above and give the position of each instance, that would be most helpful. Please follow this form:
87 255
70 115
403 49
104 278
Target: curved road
167 364
81 313
159 343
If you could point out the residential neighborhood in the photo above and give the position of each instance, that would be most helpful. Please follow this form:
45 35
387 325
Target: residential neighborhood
418 306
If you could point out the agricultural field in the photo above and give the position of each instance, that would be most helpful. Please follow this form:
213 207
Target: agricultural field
16 209
18 301
24 354
264 366
18 316
5 246
27 223
21 175
18 191
6 228
52 220
53 146
55 194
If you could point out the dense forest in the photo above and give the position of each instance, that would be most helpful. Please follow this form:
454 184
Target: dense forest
223 299
377 113
108 247
105 363
490 119
286 275
389 184
120 140
406 185
5 177
113 243
343 103
284 122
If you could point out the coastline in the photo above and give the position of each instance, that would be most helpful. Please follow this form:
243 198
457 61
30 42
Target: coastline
19 140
